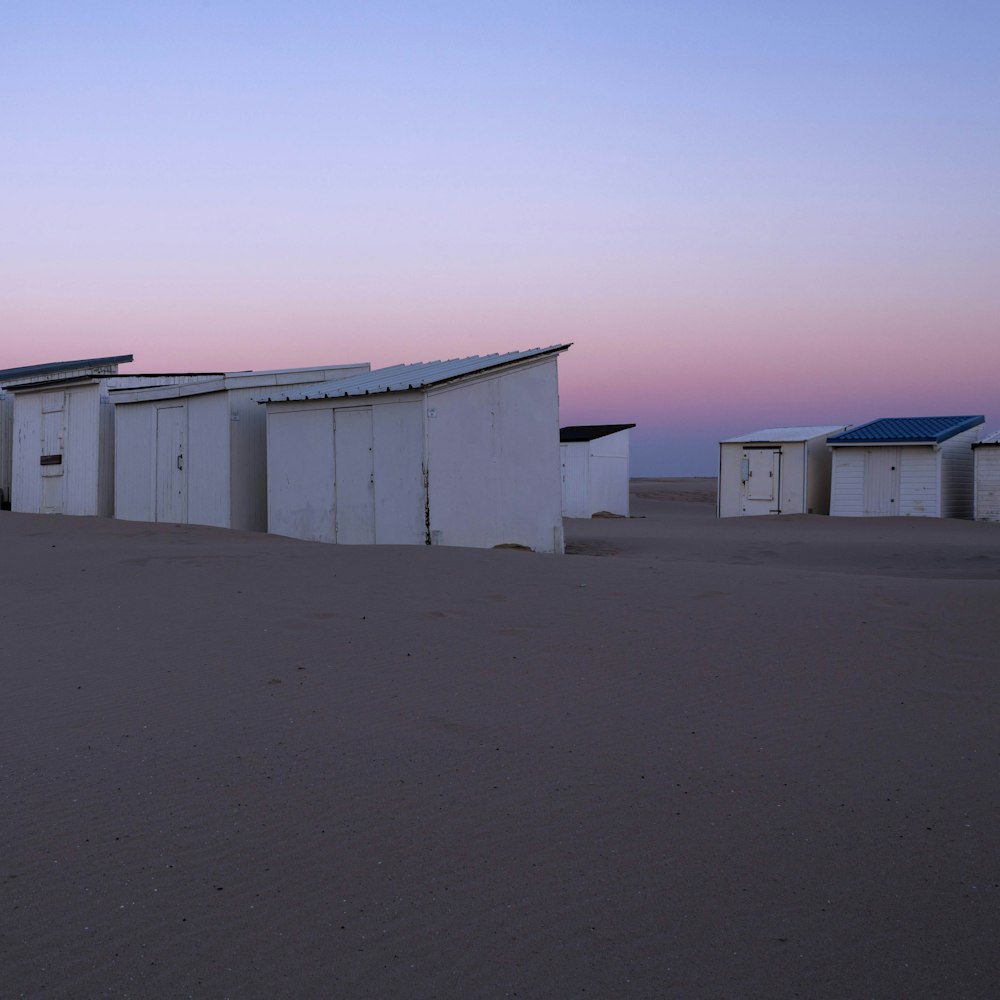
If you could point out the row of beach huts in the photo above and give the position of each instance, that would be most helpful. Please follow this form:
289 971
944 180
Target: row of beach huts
894 466
462 452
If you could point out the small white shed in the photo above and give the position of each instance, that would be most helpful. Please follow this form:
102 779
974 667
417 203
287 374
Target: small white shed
63 450
195 454
38 374
594 460
905 467
780 470
461 452
987 478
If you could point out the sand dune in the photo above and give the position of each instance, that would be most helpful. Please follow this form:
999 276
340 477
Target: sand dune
749 758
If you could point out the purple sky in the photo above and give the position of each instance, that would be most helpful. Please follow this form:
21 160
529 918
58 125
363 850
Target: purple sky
742 214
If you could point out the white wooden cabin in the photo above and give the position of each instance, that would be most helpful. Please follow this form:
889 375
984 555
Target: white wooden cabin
462 452
195 454
32 374
780 470
905 467
987 478
64 441
595 459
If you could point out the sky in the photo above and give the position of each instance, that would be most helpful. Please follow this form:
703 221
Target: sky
741 214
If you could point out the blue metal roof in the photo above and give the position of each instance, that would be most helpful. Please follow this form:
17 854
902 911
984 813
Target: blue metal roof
63 366
906 430
400 378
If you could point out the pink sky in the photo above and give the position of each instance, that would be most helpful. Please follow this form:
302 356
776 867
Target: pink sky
750 216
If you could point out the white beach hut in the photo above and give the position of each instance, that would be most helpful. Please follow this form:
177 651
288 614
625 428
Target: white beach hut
594 460
195 454
780 470
905 466
38 374
987 478
461 452
64 441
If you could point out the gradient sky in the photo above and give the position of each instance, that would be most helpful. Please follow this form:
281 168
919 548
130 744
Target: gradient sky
743 214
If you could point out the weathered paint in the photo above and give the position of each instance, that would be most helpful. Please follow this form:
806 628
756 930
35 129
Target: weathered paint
473 462
777 471
493 458
63 426
595 475
300 472
70 418
223 478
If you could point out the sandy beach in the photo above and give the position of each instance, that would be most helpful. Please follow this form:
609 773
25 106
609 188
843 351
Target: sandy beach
692 758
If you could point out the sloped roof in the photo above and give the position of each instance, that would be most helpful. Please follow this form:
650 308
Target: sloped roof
590 432
776 435
400 378
222 381
990 439
52 367
907 430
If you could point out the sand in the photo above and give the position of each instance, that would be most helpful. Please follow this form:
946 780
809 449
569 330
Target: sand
750 758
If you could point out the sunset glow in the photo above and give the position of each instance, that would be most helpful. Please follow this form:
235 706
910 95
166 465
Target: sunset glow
742 215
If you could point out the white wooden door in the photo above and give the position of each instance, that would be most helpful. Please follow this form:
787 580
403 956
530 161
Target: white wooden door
52 461
354 482
171 456
761 472
881 489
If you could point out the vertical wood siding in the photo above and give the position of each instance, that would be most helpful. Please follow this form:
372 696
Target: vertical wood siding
958 467
987 472
493 461
300 449
474 463
608 487
208 461
6 443
64 422
105 456
135 483
244 421
595 475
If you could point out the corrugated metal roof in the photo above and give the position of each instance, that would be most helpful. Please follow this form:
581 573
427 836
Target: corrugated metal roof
111 380
907 430
400 378
590 432
31 371
777 435
220 382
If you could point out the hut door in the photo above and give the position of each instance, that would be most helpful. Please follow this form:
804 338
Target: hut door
761 470
881 481
52 460
354 486
171 461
